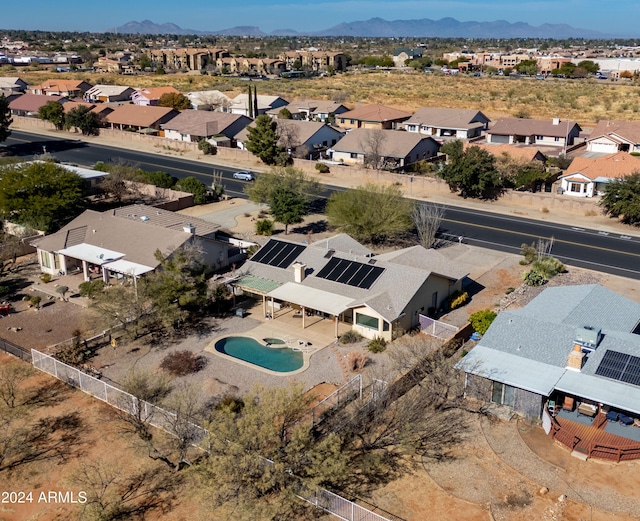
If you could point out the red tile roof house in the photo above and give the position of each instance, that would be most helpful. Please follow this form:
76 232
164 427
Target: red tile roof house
151 96
29 104
140 119
123 242
372 116
396 149
587 176
68 88
610 137
555 133
219 128
442 122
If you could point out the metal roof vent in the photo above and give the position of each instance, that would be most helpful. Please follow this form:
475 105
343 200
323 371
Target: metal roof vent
144 218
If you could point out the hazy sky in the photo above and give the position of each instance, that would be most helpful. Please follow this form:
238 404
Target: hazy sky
613 17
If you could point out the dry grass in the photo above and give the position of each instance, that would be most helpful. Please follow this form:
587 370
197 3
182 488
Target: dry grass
586 101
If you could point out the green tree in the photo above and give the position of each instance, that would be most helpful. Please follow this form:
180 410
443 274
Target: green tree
528 67
52 111
262 140
174 100
285 113
195 187
590 66
371 212
481 320
159 179
5 119
41 195
287 191
621 199
472 172
83 119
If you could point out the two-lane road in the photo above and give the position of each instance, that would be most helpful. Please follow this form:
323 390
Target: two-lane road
615 253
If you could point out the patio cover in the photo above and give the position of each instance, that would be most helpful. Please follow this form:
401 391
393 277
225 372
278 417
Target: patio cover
513 370
601 390
128 268
91 253
311 298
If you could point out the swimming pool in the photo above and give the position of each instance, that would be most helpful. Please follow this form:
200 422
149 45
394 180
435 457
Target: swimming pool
281 360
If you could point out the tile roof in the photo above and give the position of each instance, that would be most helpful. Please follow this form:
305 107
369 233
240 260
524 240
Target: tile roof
138 115
32 102
155 93
448 118
376 113
531 127
203 122
394 143
62 85
70 105
525 152
611 166
627 130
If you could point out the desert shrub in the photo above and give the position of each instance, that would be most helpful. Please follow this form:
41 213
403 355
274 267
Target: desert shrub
63 290
35 301
481 320
182 363
357 360
457 299
377 345
264 227
91 288
73 353
534 278
548 267
350 337
206 147
323 168
529 252
45 277
230 403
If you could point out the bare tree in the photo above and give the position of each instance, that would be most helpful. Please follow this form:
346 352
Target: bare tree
11 377
287 135
373 148
427 219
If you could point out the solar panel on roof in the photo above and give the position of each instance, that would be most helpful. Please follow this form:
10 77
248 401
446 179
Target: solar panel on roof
352 273
277 253
621 367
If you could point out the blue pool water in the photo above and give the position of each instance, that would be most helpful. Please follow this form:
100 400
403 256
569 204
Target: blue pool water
281 360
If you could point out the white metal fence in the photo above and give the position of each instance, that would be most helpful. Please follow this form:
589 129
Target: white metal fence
347 392
436 328
158 417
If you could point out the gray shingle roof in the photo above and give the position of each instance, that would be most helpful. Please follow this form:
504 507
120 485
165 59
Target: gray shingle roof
448 118
394 143
532 127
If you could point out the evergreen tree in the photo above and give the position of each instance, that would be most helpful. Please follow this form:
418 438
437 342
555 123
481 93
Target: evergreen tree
5 118
263 140
621 199
255 102
52 111
250 102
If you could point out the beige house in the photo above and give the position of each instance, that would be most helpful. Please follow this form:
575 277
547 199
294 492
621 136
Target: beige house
611 136
444 122
342 281
555 132
140 118
123 242
372 116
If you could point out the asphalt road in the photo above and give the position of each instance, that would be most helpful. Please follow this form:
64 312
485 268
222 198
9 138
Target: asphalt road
607 252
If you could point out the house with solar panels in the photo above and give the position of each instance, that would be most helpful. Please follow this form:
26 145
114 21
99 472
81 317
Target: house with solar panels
343 281
571 358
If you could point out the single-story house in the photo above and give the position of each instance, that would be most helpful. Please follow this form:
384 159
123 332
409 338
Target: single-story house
556 132
389 148
610 137
570 356
219 128
12 85
312 110
587 176
373 116
240 104
151 96
139 118
400 56
108 93
70 105
123 242
341 280
458 123
29 104
294 135
528 153
209 100
67 88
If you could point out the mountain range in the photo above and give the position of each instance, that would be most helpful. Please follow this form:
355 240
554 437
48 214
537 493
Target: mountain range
377 27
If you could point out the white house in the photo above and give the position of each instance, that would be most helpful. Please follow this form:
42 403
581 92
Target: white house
587 176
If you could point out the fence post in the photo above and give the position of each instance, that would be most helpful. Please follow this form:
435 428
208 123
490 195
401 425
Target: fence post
353 514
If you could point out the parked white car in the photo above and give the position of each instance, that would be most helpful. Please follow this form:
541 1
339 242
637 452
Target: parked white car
244 175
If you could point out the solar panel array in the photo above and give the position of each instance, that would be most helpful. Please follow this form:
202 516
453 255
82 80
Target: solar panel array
351 273
620 366
277 253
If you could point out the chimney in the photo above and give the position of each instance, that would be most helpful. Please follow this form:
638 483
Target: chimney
189 228
576 358
298 271
556 121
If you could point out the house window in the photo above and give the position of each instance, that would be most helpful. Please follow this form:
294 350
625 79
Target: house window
575 188
412 128
503 394
353 155
45 259
353 121
539 138
556 139
367 321
385 326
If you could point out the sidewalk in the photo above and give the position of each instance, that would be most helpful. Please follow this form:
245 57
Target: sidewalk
343 179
